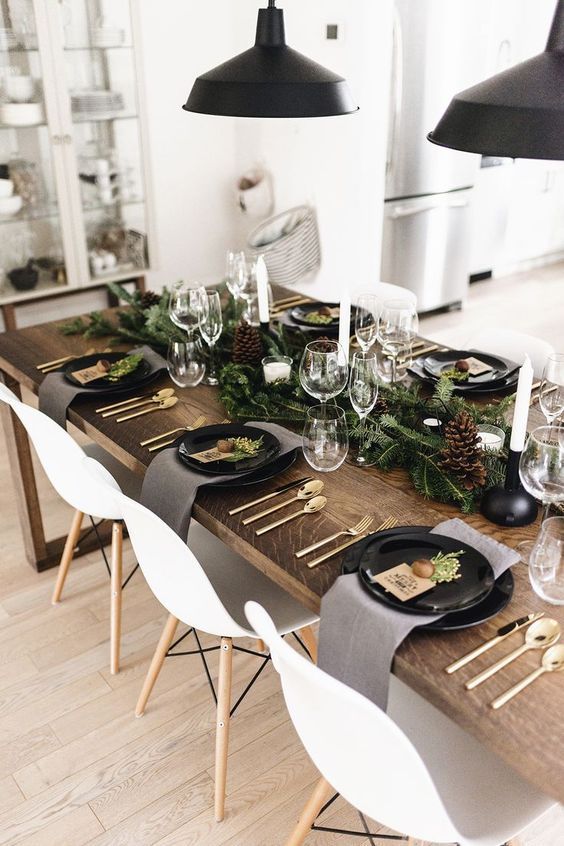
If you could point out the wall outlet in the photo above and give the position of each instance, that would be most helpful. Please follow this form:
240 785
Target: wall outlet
335 31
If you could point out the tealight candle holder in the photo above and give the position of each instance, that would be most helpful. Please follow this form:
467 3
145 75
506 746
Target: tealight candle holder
492 438
276 368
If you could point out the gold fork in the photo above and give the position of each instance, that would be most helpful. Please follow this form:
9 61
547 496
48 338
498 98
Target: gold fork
390 523
358 529
195 425
199 421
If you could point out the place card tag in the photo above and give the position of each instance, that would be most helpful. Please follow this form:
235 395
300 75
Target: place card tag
402 583
89 374
209 455
477 367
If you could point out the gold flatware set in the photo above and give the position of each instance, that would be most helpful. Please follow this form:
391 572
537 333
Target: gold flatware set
307 491
136 402
390 523
280 306
51 366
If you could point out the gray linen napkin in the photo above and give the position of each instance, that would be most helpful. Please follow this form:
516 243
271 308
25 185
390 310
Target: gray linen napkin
358 636
170 487
56 394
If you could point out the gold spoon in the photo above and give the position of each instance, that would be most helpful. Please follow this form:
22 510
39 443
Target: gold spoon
163 394
305 492
164 403
552 662
540 635
312 507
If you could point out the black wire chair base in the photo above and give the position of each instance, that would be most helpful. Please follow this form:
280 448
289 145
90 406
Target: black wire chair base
103 550
351 833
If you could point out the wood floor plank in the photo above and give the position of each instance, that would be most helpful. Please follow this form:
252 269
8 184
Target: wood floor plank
19 670
10 794
27 748
77 828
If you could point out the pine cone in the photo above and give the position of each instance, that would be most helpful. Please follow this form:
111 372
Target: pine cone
247 345
381 406
462 456
149 298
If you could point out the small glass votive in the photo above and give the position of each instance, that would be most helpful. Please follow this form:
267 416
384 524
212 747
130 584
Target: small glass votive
276 368
492 438
433 424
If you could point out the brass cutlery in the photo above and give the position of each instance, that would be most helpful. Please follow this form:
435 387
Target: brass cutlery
275 312
196 425
311 507
163 404
406 362
199 421
130 404
390 523
284 301
307 491
266 497
358 529
537 397
125 402
502 633
552 662
539 635
55 363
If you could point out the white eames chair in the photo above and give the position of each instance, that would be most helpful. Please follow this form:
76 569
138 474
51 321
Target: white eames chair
413 770
62 459
513 345
208 595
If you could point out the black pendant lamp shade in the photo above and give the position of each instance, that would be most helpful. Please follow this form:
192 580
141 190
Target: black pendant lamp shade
516 114
270 80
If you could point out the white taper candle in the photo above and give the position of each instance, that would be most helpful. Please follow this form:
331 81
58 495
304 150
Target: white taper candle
522 401
262 290
345 323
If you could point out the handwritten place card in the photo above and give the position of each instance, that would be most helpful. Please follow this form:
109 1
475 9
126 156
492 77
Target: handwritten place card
477 367
89 374
402 583
209 455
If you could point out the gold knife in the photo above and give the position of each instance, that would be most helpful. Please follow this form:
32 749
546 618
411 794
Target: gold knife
338 549
502 633
295 484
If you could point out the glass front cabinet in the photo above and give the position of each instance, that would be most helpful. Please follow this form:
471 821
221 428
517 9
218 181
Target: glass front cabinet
73 167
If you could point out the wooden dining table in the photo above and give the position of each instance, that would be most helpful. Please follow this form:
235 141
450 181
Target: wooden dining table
527 733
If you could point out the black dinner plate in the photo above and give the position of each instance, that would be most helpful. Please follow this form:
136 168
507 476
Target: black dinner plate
299 315
510 381
208 436
140 375
436 363
476 574
498 598
269 471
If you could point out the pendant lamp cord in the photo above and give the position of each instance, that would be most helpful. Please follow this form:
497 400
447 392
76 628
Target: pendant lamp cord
271 4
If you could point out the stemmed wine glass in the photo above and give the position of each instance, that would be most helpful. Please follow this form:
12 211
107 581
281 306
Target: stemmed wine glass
235 275
185 307
366 320
552 387
325 438
323 370
397 328
541 467
249 289
363 393
211 326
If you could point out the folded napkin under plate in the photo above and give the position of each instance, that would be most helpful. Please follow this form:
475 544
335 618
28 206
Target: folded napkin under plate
358 635
56 393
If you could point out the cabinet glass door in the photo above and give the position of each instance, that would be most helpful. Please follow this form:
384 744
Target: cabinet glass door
31 247
103 95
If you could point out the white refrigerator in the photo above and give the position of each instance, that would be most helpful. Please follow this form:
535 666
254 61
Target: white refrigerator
440 47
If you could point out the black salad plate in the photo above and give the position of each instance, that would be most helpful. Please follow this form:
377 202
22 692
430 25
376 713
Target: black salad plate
139 376
498 598
493 387
207 437
300 315
476 574
269 471
436 363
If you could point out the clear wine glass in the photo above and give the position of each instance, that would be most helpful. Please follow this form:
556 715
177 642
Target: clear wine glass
323 370
211 326
363 393
545 558
185 363
541 466
552 387
397 328
185 307
249 289
325 438
368 309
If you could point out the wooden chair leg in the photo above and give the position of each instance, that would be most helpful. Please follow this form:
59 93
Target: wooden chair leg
115 609
66 558
222 725
310 641
321 794
261 646
158 660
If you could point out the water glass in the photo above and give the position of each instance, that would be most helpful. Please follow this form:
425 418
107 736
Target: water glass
546 561
552 387
541 467
325 438
185 306
366 320
363 393
185 363
397 328
323 370
211 327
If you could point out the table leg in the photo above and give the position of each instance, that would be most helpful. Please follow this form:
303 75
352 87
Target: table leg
9 316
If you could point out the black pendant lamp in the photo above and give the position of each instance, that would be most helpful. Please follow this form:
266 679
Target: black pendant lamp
270 80
516 114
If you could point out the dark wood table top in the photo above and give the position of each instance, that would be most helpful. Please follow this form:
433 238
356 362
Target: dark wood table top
527 733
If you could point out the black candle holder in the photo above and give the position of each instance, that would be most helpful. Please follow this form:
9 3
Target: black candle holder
511 505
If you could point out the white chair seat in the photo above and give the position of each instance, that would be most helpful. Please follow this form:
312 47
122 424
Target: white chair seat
501 801
128 481
236 581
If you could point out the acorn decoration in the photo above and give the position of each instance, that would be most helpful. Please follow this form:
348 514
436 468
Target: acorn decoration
462 365
423 568
462 456
247 345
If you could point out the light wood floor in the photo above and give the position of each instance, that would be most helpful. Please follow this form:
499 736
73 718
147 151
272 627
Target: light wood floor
77 768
